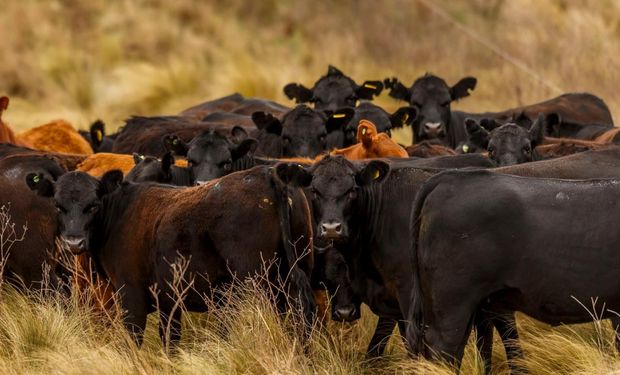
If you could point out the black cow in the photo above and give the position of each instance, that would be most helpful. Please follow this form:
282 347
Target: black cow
96 137
163 171
508 144
548 238
211 155
333 91
302 132
573 115
108 222
431 97
364 210
226 103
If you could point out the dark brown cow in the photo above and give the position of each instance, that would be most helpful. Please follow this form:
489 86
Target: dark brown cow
170 223
428 149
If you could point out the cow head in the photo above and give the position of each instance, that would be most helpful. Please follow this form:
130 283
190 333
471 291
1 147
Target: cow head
303 131
210 154
97 138
334 183
149 168
431 97
333 91
383 121
510 143
332 273
78 198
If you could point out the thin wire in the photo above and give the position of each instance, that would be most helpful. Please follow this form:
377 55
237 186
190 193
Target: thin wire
504 55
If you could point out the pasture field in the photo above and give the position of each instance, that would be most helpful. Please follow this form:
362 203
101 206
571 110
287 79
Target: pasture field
81 60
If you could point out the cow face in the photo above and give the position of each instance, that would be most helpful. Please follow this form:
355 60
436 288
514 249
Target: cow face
211 155
78 198
332 272
510 143
383 121
333 91
303 131
431 97
149 168
334 185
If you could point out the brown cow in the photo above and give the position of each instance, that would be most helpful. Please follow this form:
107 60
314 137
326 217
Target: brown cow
55 136
371 145
428 149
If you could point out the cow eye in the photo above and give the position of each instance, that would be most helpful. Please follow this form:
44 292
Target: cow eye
91 209
352 99
352 194
416 104
491 151
527 149
316 100
445 104
192 162
61 209
286 140
322 138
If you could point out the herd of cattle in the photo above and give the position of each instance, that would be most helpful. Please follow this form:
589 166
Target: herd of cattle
483 215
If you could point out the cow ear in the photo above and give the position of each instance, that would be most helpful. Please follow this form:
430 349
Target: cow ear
521 119
374 171
109 182
552 124
403 116
238 134
268 122
461 88
175 144
4 103
299 92
339 119
476 134
293 174
137 158
333 71
40 184
246 147
97 132
397 89
537 131
366 132
369 89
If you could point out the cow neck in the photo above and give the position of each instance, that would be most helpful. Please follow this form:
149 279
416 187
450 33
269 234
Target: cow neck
113 208
243 163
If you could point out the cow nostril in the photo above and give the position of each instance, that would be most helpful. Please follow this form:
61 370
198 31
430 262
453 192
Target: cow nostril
345 313
338 227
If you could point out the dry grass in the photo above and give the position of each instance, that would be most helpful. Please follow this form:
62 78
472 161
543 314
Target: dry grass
81 60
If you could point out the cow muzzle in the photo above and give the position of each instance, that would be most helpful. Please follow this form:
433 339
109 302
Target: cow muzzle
346 313
434 129
77 245
330 230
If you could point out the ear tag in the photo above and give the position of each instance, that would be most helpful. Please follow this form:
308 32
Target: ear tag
290 201
36 179
338 115
376 175
99 135
363 131
369 86
465 148
175 142
141 157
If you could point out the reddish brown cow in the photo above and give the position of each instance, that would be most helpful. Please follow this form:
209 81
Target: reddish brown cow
427 149
98 164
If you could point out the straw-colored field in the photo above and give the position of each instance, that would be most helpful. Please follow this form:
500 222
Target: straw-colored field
81 60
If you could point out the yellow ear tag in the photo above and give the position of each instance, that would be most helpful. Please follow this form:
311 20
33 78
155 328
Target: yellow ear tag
376 175
338 115
36 179
363 131
405 118
99 135
141 157
369 86
175 142
465 148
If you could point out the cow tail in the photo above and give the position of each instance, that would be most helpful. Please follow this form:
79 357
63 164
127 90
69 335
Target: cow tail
415 330
297 280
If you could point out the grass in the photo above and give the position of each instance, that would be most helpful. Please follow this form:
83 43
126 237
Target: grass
82 60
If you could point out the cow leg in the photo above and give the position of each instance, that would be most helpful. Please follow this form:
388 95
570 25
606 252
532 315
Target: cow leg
134 302
446 337
170 329
383 331
507 329
484 339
